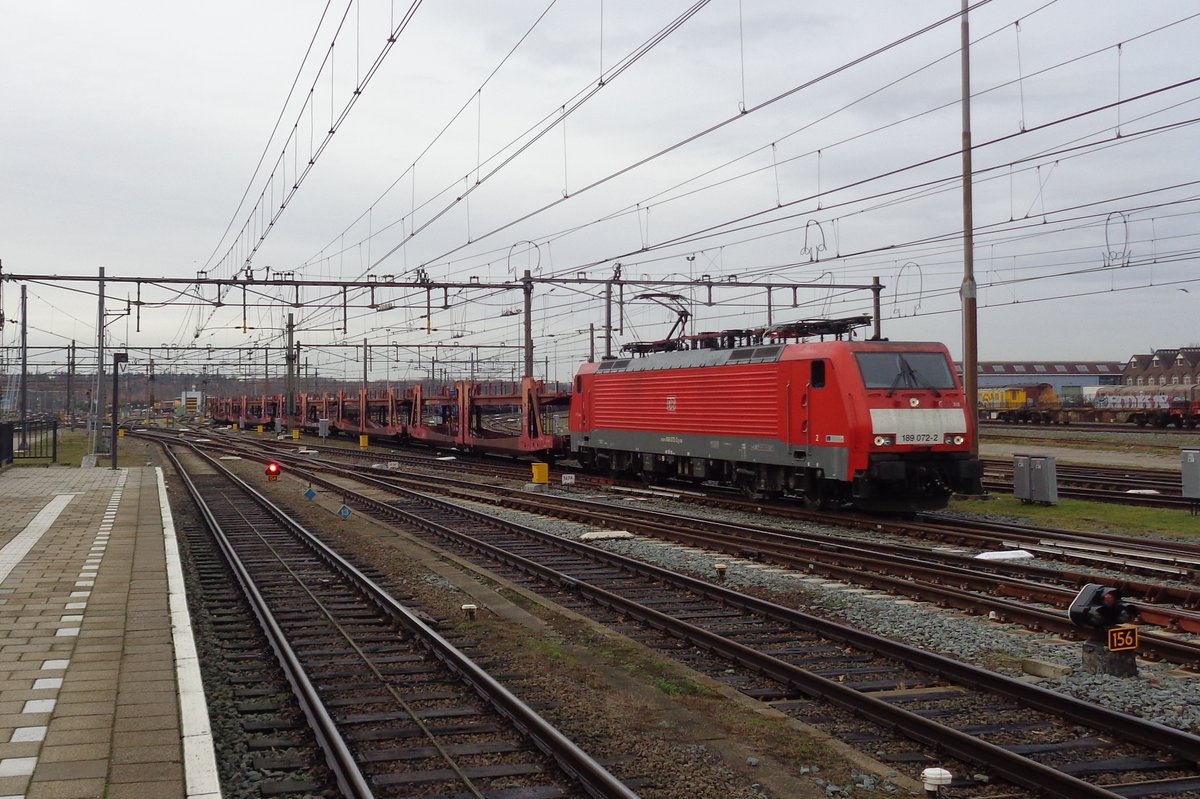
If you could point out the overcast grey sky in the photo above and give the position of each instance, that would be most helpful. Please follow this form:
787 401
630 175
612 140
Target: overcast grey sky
132 129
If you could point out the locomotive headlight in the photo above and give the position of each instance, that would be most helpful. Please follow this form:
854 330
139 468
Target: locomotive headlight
883 441
955 440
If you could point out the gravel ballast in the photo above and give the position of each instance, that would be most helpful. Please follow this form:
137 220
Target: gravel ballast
1162 693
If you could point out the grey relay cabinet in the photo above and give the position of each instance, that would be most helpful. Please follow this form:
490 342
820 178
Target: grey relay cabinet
1035 479
1190 466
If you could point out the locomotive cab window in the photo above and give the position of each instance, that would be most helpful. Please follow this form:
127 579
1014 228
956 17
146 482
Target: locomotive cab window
818 374
905 370
578 385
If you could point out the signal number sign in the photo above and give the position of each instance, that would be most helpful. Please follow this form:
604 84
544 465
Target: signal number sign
1121 639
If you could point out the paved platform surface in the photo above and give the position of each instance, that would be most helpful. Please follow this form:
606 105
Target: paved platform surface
90 697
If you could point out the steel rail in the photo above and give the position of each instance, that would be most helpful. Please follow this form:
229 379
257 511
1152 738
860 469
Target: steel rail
350 779
830 552
732 537
1020 770
596 780
1181 595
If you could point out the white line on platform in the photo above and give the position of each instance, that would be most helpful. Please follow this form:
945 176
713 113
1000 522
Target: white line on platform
15 550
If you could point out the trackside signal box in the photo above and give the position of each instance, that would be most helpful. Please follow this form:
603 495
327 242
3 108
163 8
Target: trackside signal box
1035 479
1190 468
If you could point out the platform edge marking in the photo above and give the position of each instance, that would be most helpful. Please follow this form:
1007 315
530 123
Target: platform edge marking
199 757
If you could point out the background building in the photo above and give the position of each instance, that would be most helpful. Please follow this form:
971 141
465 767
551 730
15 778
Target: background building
1164 368
1067 378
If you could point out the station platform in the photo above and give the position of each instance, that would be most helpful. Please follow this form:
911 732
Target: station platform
100 692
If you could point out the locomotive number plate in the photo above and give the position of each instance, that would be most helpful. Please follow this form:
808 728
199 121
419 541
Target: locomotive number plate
1121 639
919 438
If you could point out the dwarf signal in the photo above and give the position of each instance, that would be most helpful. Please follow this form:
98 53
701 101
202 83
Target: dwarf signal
272 471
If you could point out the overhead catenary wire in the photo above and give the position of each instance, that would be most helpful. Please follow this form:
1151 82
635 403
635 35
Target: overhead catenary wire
336 120
270 138
565 111
1036 237
807 125
637 208
476 95
691 137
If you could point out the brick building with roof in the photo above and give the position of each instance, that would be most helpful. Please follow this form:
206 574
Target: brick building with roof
1169 367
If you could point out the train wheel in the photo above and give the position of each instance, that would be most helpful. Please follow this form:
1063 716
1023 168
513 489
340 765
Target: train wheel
752 493
817 498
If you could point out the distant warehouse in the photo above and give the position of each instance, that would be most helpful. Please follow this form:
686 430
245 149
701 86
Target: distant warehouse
1066 377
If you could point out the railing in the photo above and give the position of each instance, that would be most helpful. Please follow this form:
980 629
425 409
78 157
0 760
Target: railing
28 440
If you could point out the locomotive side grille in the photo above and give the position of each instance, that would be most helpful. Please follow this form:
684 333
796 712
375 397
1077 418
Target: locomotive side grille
718 402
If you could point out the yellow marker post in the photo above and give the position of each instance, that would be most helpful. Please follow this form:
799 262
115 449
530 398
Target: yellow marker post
120 432
1122 638
541 473
362 441
235 427
260 429
295 434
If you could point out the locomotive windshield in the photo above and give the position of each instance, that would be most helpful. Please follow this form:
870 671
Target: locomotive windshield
905 370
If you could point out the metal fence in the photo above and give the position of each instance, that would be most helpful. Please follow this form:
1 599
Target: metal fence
28 440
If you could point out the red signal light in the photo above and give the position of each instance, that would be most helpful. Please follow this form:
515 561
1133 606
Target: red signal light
272 471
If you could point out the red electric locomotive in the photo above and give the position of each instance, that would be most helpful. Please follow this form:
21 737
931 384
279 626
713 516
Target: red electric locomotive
875 424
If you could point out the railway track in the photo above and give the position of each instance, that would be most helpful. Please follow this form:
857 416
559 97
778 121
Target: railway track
1032 595
1102 427
951 579
395 708
816 669
1091 483
1146 487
